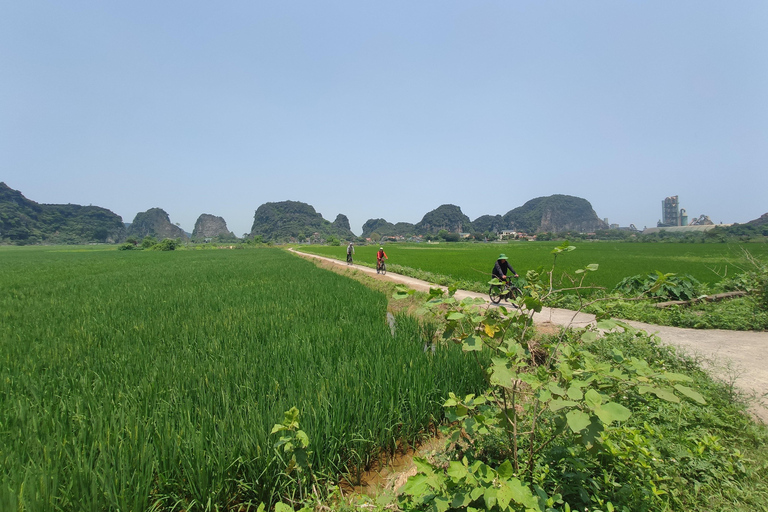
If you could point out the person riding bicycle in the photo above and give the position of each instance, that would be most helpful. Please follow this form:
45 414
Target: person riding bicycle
501 267
380 256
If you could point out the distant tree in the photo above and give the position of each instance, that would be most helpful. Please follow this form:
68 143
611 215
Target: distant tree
148 242
441 234
451 237
375 237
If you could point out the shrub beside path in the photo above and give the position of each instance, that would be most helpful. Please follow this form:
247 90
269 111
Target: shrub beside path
739 358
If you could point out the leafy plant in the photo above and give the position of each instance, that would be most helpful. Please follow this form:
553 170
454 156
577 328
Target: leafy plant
540 397
660 286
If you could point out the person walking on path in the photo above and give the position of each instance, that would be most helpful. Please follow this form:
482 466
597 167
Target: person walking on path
350 253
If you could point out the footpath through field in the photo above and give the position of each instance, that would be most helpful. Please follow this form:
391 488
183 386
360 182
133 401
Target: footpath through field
739 358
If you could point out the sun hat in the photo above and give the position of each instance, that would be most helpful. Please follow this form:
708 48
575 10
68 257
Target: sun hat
502 256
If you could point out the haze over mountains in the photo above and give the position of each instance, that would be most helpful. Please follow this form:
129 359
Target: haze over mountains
23 221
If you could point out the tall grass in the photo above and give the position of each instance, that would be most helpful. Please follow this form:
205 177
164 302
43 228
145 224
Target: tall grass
137 380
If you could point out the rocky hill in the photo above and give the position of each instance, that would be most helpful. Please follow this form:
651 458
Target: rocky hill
554 214
446 217
23 221
488 224
294 220
761 221
384 228
211 226
154 222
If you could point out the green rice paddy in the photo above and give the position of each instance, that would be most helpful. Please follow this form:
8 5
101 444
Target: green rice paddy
139 380
473 261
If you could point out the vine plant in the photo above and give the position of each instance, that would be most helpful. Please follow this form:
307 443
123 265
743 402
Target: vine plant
537 395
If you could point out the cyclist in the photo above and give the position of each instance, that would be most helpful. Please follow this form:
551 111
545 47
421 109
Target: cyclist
501 267
350 252
380 256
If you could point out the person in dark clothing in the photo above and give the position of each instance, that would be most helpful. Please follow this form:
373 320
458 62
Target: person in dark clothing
350 252
501 268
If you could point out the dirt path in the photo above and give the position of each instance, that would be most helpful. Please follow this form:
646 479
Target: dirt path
739 358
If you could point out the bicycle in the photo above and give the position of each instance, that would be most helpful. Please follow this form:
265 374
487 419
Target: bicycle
503 290
349 259
381 268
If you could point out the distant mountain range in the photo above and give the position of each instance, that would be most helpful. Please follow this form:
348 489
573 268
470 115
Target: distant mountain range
23 221
26 222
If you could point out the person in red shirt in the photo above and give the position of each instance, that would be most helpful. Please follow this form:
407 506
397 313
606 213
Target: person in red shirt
381 255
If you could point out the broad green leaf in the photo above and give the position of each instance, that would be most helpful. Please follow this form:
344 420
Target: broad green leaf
533 304
589 336
472 344
505 470
502 376
574 392
483 472
577 420
592 267
664 394
675 377
441 503
460 500
607 324
593 399
455 315
282 507
690 393
423 466
456 470
610 412
557 404
416 485
504 495
555 389
489 496
530 379
522 494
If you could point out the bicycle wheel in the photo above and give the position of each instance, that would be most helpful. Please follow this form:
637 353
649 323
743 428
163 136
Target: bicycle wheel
495 293
383 268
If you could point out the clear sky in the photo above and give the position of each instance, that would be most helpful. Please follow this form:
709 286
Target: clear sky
386 109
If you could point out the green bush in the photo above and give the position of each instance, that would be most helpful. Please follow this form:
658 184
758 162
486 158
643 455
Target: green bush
661 287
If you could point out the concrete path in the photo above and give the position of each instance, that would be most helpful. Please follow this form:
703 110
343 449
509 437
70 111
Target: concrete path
739 358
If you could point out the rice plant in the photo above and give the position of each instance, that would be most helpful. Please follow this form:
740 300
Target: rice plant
151 380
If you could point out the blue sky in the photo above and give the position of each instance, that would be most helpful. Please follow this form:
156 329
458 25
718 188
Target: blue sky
386 109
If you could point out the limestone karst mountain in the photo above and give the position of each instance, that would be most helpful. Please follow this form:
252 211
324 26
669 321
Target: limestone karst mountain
294 220
23 221
154 222
211 226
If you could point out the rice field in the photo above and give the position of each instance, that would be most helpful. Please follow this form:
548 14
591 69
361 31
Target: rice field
151 380
473 262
